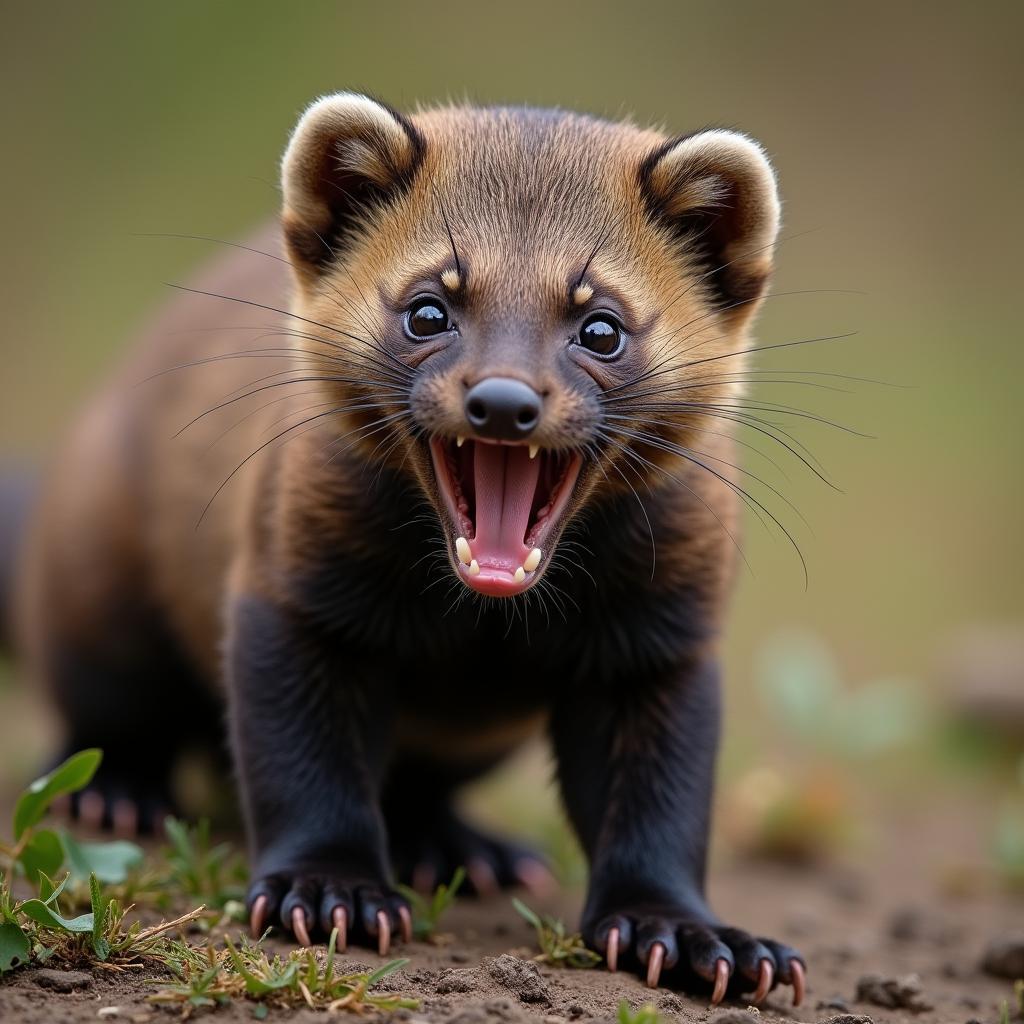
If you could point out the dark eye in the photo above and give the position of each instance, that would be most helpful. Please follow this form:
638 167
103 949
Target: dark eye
602 335
427 318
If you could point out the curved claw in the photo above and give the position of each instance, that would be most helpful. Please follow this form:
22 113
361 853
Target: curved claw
258 916
799 981
406 918
383 933
125 817
299 926
764 982
611 953
339 918
90 809
721 981
535 877
654 964
483 878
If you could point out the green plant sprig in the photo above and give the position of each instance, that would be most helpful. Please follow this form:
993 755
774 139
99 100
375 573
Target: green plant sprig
217 975
35 929
427 912
647 1014
557 946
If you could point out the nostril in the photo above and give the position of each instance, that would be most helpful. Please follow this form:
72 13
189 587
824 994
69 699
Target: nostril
527 416
477 411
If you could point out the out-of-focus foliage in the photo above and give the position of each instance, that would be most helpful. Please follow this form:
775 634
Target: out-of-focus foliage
801 689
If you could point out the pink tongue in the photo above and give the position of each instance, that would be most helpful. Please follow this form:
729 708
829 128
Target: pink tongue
506 481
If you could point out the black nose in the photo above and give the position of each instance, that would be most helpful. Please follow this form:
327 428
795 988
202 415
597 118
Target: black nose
503 409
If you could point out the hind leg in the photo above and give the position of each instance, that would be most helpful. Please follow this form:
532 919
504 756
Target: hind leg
126 690
429 838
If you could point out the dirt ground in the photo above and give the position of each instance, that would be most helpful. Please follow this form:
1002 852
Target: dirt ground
882 917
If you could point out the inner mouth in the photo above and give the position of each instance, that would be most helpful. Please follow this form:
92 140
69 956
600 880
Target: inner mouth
505 505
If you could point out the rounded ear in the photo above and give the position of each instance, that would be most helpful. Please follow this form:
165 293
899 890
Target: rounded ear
716 193
348 153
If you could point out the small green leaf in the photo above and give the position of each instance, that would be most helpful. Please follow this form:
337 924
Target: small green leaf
526 913
45 915
50 890
42 855
77 771
177 833
260 1011
14 947
100 945
109 862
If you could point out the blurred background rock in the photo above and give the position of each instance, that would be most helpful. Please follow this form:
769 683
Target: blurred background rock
892 685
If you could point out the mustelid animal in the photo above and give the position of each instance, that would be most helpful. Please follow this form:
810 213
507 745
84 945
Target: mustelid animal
442 458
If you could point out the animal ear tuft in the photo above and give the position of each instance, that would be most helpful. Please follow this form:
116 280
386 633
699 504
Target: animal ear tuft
348 153
716 193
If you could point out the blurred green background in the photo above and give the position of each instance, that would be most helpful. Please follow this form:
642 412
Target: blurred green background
895 132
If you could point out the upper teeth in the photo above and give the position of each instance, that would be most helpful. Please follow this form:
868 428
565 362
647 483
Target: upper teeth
459 440
534 448
463 550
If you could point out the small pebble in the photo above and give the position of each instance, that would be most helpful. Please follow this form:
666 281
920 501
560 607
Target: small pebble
835 1003
61 981
1004 957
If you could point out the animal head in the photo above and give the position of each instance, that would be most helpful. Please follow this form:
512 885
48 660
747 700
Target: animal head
522 306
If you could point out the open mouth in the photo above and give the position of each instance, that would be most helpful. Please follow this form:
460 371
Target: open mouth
505 501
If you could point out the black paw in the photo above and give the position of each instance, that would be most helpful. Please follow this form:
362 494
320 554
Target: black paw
693 953
313 902
120 801
428 856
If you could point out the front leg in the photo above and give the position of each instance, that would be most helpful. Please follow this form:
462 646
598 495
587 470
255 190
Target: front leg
636 765
311 731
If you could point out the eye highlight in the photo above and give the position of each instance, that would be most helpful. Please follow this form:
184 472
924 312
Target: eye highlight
427 318
602 334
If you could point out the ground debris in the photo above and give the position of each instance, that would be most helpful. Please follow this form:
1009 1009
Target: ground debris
61 981
520 977
1004 956
848 1018
494 1012
892 993
456 980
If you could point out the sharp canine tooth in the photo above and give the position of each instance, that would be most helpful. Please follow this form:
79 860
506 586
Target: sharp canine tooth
459 440
534 448
533 560
474 569
519 575
462 549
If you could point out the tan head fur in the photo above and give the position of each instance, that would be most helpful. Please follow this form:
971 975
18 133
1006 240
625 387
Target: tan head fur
524 223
